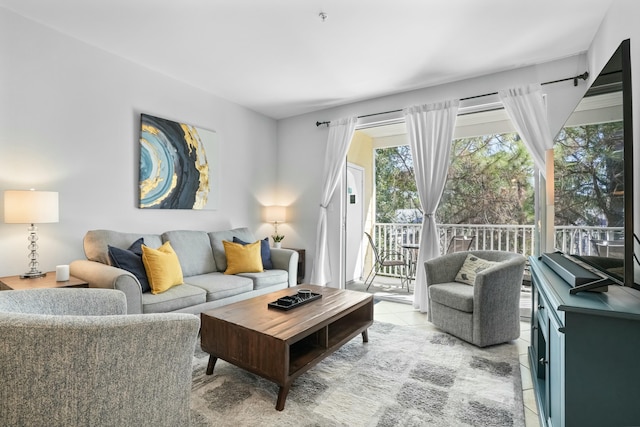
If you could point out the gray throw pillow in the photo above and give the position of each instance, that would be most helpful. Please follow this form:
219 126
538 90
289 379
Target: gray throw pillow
471 267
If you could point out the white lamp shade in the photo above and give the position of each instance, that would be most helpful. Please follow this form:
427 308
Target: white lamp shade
30 206
275 214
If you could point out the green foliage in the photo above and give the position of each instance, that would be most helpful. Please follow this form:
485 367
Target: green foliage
395 183
589 182
489 182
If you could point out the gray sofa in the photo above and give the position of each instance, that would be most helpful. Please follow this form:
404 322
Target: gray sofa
203 262
71 357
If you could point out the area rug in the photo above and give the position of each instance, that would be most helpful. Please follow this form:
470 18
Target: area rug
386 289
404 376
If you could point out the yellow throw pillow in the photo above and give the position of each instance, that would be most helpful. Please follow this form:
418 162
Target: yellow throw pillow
162 266
243 258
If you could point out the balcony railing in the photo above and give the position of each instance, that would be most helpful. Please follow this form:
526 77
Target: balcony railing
511 238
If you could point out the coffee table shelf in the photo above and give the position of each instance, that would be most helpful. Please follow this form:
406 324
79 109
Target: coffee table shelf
282 345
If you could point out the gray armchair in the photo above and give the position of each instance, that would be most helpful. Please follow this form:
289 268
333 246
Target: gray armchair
484 314
72 357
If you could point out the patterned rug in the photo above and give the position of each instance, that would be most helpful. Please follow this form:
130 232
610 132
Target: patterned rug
404 376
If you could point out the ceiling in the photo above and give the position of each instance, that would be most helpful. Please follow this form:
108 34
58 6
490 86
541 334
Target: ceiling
279 58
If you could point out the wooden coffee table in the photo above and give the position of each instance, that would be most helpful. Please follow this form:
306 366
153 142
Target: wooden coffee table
281 345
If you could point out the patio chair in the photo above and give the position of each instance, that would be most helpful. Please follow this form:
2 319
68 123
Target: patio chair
387 259
460 244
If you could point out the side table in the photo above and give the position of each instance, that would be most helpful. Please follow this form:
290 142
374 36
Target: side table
301 264
48 281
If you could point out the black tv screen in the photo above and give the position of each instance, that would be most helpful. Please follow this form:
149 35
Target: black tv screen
594 176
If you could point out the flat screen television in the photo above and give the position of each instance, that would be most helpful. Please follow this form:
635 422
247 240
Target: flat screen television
594 180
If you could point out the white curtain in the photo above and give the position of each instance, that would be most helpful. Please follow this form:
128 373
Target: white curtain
527 110
340 135
430 130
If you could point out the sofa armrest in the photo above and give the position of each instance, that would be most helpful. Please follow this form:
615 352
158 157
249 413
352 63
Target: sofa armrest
100 275
286 259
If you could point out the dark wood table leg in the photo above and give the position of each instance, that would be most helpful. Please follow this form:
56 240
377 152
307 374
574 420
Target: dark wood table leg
365 335
211 364
282 396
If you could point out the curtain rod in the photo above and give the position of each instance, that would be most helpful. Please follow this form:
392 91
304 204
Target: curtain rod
583 76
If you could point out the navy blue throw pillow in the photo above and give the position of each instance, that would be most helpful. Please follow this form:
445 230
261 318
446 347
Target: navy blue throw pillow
131 260
265 251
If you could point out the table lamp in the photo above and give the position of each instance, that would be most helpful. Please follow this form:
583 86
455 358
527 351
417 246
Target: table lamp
31 207
276 214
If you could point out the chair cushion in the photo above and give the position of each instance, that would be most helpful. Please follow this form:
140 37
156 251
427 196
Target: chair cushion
131 260
265 251
453 294
162 267
471 267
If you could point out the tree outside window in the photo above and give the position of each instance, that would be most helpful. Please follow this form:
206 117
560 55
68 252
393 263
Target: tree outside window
589 181
489 182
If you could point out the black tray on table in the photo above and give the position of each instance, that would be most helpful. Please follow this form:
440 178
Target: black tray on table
293 301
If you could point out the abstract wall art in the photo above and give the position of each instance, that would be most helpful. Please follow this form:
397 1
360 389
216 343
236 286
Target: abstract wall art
178 165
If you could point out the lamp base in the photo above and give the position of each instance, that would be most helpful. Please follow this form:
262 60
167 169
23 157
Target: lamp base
33 275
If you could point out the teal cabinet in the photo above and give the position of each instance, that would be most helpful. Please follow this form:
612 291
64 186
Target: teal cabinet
584 353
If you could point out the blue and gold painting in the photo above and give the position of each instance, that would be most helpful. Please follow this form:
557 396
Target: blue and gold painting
177 165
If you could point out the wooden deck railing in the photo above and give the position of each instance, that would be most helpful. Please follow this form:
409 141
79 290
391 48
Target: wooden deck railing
512 238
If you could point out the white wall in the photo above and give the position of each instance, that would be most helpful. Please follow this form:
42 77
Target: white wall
301 143
69 122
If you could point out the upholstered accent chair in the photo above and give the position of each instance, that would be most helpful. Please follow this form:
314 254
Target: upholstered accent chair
72 357
484 313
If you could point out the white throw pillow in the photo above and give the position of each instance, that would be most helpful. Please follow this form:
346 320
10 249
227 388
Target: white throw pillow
471 267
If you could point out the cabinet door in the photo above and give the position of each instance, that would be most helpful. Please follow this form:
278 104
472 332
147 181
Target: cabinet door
555 373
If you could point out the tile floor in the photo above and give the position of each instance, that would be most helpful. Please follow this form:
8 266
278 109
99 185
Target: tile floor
405 314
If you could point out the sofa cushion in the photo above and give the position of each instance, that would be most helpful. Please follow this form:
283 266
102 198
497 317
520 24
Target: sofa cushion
217 237
131 260
453 294
193 249
471 267
162 266
267 278
218 285
175 298
265 251
242 258
96 243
